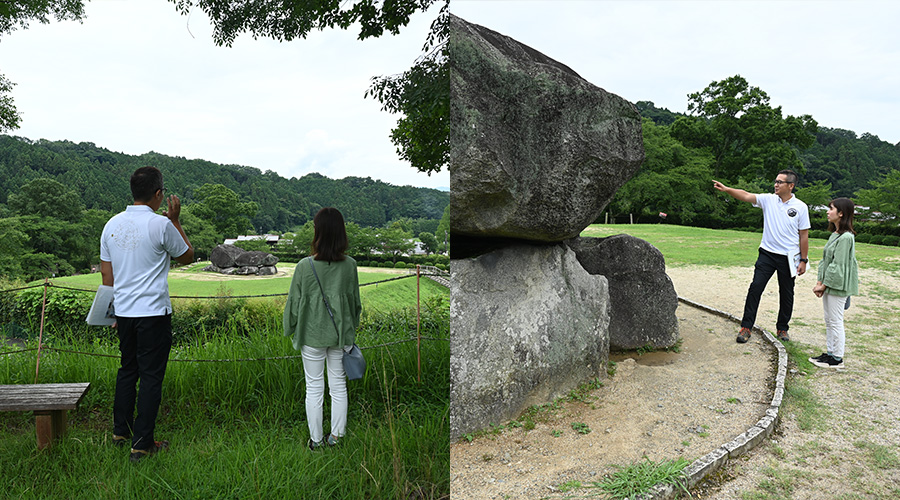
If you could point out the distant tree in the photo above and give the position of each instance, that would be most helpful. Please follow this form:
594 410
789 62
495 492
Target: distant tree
47 198
253 245
222 207
443 231
884 196
9 115
37 266
660 116
429 242
303 238
395 241
747 137
673 179
202 233
362 239
817 193
13 244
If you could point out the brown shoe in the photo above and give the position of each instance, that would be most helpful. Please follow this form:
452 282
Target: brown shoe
743 336
783 336
138 455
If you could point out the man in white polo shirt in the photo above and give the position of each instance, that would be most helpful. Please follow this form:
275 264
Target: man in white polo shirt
783 249
135 249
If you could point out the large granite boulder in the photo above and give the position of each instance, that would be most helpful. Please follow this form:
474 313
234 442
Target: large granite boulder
223 256
536 152
528 324
255 258
642 296
230 259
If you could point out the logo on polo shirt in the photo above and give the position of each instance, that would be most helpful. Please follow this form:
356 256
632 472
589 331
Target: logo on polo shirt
792 212
126 236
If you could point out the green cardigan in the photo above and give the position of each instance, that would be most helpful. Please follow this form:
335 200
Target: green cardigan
305 317
838 270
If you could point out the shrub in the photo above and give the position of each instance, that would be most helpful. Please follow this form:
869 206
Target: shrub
891 240
863 237
63 306
877 239
400 265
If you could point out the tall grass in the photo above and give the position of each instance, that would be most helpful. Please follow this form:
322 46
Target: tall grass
238 429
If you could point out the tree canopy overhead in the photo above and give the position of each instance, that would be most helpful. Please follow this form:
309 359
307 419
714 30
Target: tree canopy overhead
422 95
285 21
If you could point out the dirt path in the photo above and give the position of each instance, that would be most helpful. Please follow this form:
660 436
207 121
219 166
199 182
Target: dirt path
847 444
670 405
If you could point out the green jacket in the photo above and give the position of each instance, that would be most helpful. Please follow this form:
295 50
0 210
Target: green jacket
838 270
305 317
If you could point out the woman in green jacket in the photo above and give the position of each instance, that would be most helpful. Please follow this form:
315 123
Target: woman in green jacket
307 320
838 280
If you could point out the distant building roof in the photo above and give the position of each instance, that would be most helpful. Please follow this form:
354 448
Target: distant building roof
268 238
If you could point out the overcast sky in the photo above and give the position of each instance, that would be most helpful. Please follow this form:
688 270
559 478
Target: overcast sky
838 61
136 76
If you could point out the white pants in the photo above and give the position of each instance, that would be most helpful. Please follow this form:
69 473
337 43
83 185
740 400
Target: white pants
315 360
834 324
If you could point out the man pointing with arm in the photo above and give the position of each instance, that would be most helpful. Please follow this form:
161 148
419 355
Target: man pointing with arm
783 249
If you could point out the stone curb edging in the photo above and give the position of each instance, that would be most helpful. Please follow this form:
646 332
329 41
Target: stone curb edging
743 443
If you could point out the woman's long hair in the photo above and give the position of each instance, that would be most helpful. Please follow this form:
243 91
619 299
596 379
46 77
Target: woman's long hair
330 236
845 223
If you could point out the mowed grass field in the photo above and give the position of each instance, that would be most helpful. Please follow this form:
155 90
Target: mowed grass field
682 245
190 281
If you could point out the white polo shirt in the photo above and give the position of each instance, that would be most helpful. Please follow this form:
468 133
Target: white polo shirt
139 244
782 223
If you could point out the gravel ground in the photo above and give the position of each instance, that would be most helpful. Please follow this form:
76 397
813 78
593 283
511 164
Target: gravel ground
851 449
669 405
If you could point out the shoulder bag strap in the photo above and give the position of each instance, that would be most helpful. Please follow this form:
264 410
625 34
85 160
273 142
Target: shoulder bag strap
327 305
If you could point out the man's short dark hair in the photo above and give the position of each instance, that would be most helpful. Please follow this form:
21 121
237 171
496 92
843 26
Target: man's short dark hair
145 182
792 176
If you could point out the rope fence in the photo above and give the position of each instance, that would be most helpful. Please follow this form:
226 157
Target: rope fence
48 284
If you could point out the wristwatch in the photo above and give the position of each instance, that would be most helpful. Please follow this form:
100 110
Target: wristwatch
804 260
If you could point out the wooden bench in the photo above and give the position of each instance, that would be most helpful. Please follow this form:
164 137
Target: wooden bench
49 402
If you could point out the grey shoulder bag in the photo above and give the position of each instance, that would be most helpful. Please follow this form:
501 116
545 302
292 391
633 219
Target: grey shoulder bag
354 362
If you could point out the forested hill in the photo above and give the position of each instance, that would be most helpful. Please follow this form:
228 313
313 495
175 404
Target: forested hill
843 159
100 178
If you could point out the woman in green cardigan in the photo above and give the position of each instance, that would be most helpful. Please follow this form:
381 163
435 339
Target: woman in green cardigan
838 280
307 320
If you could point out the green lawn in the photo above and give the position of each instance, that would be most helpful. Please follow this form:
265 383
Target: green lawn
189 281
682 245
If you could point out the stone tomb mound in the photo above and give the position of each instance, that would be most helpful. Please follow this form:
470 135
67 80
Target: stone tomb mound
229 259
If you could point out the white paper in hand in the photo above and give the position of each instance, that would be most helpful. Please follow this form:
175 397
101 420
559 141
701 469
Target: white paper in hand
102 311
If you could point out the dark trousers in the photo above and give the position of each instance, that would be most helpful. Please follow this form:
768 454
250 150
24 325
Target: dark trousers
145 344
768 264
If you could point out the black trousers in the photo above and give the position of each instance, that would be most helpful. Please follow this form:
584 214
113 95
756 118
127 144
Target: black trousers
767 264
145 344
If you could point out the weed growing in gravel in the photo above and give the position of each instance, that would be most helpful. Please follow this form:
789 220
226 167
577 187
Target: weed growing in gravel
581 427
639 477
569 486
